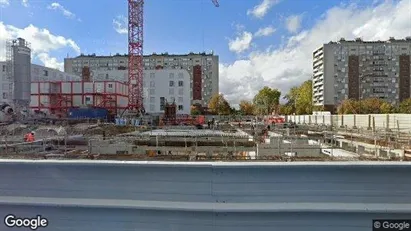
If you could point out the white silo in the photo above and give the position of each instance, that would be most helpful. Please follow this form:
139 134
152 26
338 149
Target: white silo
21 64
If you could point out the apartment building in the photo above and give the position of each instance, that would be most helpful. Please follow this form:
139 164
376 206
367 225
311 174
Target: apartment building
202 68
357 69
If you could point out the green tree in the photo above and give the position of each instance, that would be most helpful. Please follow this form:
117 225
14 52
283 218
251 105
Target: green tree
218 105
247 108
405 106
304 99
266 100
286 109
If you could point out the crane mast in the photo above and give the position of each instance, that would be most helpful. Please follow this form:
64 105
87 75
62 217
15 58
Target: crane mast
135 53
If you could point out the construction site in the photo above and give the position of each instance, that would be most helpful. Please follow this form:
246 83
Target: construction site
219 138
86 118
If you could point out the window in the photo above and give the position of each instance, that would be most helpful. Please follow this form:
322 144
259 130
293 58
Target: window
172 99
171 76
152 84
171 91
45 73
4 95
162 103
180 83
152 75
180 107
152 107
180 75
171 84
152 99
88 99
110 85
180 99
4 68
181 91
152 92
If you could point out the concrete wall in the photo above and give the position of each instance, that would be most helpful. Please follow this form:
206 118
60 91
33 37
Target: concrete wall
91 195
382 121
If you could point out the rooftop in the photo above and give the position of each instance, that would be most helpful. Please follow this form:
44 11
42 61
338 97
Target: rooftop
151 55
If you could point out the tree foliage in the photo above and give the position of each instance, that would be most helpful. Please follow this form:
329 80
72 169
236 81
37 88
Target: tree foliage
266 100
405 106
365 106
218 105
247 107
299 99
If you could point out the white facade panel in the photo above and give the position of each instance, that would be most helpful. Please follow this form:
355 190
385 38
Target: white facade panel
34 88
66 87
99 87
77 100
77 87
34 101
88 87
44 88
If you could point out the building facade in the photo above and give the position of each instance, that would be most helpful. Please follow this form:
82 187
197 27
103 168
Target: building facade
202 68
38 73
161 86
57 97
358 69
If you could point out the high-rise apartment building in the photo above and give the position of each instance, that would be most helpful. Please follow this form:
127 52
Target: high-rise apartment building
202 67
358 69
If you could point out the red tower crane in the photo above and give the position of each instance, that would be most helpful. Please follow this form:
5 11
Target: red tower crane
135 53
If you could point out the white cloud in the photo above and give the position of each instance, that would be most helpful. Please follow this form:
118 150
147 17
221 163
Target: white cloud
293 23
4 3
41 40
241 43
260 10
50 61
120 24
291 64
266 31
56 6
25 3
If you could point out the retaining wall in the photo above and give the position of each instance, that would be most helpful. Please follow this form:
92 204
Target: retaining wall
109 195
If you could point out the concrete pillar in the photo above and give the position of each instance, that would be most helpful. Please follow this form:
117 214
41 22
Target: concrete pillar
355 121
324 119
387 122
369 122
342 121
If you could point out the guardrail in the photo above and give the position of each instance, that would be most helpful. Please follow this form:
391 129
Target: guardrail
110 195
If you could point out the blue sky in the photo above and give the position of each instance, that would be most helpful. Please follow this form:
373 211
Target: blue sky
180 26
175 26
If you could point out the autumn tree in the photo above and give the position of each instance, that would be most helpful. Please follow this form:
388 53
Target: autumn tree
247 107
218 105
266 100
348 106
387 108
405 106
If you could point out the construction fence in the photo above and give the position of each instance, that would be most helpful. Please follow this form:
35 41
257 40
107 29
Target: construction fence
398 122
